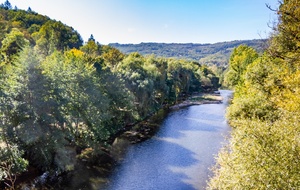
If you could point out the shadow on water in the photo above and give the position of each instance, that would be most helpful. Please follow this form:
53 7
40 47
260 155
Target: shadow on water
179 155
145 167
208 118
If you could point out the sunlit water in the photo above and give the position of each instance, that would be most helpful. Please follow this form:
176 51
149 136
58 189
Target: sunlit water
179 156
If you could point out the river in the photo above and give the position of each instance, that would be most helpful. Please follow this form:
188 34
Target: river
179 156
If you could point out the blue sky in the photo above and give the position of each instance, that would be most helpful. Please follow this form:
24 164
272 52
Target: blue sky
168 21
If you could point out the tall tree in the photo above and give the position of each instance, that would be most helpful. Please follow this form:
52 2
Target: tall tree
240 58
91 38
12 44
55 35
112 56
7 5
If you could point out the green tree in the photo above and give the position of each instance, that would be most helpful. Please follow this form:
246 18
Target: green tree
91 48
12 44
240 58
137 81
56 36
157 70
11 164
112 56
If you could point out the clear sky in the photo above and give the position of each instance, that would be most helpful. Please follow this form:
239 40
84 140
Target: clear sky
169 21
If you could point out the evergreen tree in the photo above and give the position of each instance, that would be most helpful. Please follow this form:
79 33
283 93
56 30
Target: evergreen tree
6 5
29 10
91 38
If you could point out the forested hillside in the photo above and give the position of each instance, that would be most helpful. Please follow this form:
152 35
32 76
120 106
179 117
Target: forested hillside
63 101
210 54
264 149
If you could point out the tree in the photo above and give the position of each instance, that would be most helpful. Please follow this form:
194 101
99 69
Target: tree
11 164
137 81
6 5
55 35
285 41
112 56
173 81
91 38
157 70
12 44
29 10
91 48
240 58
11 89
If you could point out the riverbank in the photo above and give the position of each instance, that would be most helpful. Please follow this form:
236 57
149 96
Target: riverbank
105 163
147 128
179 154
200 98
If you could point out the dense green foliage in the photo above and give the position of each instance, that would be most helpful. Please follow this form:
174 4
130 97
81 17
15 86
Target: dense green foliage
46 34
209 54
264 150
216 56
62 101
240 58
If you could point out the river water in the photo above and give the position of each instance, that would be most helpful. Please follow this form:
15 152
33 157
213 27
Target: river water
179 156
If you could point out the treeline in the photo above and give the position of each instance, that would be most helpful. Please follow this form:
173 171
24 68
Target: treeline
62 101
264 149
210 54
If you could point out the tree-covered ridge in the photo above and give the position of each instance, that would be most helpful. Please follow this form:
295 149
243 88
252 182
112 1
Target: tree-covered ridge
210 54
264 150
62 102
39 30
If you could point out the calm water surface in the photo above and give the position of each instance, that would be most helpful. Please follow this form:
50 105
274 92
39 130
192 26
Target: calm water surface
179 156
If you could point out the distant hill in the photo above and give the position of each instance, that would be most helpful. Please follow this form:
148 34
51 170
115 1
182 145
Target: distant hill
217 54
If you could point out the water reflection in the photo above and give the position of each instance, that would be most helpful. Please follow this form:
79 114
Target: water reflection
179 156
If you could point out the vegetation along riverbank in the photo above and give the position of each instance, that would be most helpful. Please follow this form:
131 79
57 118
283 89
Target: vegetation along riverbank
264 150
70 108
63 102
147 128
